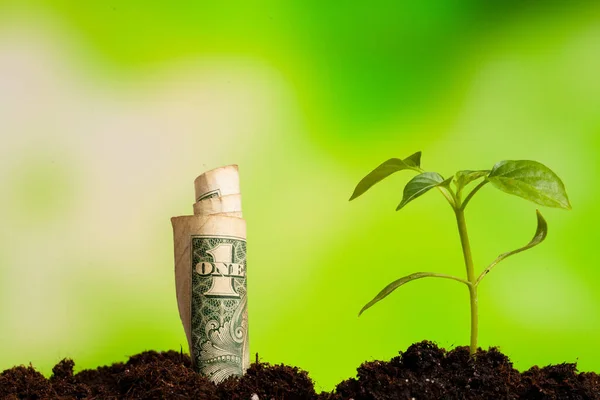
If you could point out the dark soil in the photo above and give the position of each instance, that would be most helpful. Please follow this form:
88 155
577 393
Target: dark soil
422 372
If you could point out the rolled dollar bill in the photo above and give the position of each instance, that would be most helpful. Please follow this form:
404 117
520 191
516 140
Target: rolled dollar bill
218 182
210 277
231 204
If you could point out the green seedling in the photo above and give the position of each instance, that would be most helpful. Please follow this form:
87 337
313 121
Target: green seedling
527 179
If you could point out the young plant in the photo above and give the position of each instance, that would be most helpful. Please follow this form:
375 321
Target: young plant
527 179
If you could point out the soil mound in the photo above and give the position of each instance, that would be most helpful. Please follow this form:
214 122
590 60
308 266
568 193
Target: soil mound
423 372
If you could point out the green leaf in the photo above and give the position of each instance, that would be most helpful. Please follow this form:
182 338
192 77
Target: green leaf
530 180
420 184
540 234
397 283
463 178
386 169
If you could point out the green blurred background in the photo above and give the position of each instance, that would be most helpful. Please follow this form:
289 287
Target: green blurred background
110 109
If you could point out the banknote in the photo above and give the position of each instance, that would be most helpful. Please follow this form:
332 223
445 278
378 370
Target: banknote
220 204
219 306
218 182
210 276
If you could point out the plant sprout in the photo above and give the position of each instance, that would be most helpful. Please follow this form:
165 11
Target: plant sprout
530 180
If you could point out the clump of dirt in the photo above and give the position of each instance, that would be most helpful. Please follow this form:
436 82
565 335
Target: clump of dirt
561 381
24 383
265 381
424 372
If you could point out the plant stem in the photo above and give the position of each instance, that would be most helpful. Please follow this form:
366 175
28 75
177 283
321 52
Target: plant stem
466 248
472 193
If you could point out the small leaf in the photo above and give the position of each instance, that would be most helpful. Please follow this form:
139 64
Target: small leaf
540 234
414 160
420 184
393 286
386 169
463 178
530 180
397 283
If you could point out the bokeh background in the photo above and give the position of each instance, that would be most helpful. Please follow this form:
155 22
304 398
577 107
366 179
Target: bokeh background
110 109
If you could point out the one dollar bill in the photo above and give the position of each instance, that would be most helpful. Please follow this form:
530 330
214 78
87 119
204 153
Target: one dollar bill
210 276
219 305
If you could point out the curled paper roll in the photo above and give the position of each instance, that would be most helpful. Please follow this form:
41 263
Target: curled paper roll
217 205
210 274
218 182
